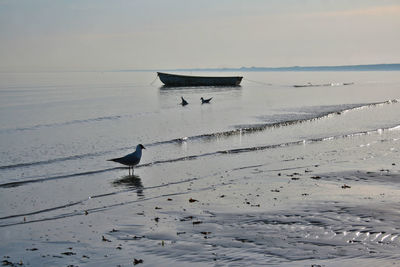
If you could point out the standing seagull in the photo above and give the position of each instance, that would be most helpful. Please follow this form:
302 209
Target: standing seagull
184 102
132 159
205 101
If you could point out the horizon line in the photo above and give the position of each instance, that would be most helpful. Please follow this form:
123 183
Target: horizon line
379 66
358 67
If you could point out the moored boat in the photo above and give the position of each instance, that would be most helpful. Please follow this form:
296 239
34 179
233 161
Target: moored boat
186 80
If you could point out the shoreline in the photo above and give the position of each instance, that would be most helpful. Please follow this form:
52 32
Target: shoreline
260 207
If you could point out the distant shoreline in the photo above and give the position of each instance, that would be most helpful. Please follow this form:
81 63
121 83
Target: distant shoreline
367 67
371 67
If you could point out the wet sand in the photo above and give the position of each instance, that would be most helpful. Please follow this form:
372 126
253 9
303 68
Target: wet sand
327 203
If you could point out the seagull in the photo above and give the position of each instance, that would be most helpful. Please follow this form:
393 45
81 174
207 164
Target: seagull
184 102
205 101
132 159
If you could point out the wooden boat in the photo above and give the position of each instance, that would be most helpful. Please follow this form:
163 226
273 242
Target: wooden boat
185 80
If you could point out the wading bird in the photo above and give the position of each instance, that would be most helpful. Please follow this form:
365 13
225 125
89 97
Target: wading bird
131 160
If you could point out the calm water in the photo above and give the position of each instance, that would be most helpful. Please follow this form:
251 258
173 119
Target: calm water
58 129
58 123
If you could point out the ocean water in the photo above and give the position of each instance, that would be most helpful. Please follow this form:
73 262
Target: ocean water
58 130
79 119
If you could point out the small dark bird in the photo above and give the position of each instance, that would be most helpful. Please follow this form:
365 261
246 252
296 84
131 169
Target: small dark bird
132 159
205 101
184 102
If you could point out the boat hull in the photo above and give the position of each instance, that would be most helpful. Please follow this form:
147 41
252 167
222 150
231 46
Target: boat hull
175 80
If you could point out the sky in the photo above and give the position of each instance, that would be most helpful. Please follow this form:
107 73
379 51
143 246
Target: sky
100 35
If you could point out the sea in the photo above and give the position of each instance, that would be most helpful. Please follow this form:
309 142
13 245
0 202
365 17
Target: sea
291 168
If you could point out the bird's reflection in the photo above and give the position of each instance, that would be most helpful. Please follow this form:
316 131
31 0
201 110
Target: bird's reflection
132 182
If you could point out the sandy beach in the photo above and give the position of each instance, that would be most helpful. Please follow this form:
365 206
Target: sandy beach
289 206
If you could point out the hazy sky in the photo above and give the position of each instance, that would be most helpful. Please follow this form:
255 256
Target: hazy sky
152 34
